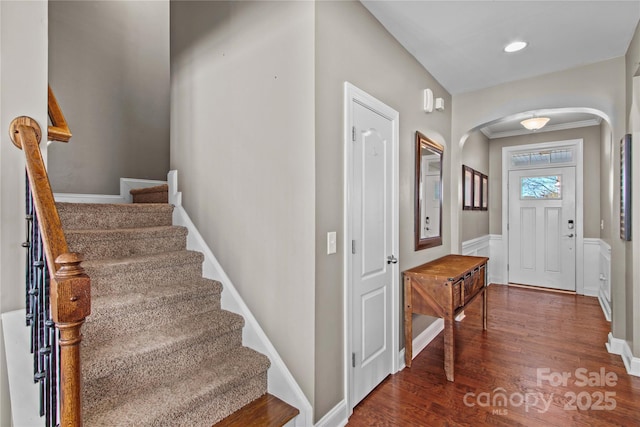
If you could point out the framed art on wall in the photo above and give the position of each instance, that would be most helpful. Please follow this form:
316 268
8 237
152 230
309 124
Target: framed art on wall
467 188
484 205
625 188
477 190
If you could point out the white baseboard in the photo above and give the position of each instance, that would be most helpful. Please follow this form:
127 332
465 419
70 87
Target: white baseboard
280 380
496 263
336 417
621 348
24 394
126 185
422 341
605 305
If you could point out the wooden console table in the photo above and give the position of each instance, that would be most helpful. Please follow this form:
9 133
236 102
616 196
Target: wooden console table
443 288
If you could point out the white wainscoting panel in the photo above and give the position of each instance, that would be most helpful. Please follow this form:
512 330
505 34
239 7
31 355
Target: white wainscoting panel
490 246
591 267
604 291
476 247
596 270
497 260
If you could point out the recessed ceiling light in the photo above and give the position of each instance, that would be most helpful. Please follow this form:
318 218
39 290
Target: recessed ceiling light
515 46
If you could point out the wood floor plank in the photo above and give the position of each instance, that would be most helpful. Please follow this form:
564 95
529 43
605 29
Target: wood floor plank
528 330
266 411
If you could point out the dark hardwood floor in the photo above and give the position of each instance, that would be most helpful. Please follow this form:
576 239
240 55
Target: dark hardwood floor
533 338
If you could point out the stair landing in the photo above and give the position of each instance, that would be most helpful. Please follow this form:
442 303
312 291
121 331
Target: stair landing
156 194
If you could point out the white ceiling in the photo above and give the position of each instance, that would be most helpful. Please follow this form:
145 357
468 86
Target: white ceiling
461 42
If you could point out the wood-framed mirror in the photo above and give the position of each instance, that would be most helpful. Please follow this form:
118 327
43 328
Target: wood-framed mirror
428 193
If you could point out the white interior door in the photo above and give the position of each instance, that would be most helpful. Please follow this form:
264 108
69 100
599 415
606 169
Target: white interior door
372 228
542 229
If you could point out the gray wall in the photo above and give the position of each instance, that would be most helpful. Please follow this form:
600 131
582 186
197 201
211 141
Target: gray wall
23 79
109 69
351 45
633 127
242 140
591 156
599 86
475 154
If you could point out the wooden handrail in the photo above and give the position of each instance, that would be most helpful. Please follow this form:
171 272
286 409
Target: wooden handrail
59 130
70 291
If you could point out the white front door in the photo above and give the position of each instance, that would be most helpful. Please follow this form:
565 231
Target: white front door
542 229
372 233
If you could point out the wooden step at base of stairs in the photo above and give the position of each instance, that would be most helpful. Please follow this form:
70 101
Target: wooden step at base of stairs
266 411
156 194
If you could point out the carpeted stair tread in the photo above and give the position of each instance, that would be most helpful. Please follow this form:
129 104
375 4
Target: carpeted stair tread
119 275
102 358
157 350
166 404
113 314
78 216
108 266
118 243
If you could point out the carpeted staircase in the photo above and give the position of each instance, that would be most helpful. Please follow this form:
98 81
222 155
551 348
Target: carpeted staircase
157 349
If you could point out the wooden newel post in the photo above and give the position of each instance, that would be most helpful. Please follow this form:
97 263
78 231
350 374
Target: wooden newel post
70 305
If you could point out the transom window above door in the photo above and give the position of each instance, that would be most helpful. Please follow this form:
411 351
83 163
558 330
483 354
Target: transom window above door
538 158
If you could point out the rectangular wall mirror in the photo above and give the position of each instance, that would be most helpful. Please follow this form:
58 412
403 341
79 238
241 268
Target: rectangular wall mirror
428 193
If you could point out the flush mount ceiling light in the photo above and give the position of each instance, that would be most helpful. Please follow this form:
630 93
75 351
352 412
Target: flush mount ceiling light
535 123
515 46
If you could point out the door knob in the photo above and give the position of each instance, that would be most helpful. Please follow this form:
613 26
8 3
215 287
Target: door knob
568 235
392 260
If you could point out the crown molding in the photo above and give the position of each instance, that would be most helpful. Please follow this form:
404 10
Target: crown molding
549 128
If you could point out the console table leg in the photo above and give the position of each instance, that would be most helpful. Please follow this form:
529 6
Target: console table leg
449 348
484 308
408 326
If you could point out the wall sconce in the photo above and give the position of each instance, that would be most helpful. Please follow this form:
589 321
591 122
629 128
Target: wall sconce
427 102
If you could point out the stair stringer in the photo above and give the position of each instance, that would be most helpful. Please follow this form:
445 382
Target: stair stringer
281 382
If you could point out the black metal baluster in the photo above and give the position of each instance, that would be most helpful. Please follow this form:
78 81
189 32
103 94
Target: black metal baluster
39 264
27 246
44 336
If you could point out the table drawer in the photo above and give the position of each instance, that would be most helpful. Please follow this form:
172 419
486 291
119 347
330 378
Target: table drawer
473 283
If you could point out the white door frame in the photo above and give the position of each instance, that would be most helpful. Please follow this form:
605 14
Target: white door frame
579 230
353 94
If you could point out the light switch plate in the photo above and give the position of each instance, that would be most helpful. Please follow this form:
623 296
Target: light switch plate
331 242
